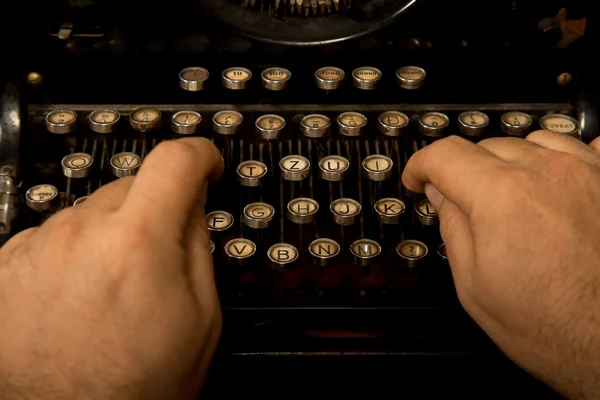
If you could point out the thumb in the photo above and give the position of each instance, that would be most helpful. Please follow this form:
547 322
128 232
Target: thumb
455 232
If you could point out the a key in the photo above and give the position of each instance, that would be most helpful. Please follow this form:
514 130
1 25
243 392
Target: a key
410 77
61 122
392 123
378 167
366 78
104 121
411 252
516 123
269 126
302 210
426 213
294 167
282 256
351 123
236 78
186 122
240 250
227 122
125 164
390 210
329 78
145 119
219 221
333 168
560 123
324 251
345 211
433 124
193 79
364 251
258 215
275 78
251 173
315 126
473 123
42 197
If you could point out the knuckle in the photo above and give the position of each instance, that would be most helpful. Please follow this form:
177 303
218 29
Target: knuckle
179 150
564 166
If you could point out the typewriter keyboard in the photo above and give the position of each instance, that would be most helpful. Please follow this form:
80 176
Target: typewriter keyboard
310 213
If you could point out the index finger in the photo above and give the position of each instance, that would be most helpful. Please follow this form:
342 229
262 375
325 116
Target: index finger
454 166
172 181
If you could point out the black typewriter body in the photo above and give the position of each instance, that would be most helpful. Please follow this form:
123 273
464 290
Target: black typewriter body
351 324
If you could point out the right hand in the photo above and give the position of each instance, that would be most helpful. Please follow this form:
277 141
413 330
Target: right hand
521 224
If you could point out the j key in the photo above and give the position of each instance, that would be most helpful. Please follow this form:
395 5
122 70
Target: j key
345 211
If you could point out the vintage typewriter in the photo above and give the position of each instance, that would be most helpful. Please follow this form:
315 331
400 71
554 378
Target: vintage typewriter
326 266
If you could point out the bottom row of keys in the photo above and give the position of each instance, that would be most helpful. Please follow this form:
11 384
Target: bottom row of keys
323 251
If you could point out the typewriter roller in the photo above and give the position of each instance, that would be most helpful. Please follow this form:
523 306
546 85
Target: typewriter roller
318 248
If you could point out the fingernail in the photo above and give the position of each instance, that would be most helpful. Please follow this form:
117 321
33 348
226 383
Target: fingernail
434 195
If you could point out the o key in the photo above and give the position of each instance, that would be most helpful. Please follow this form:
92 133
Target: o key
219 221
333 168
125 164
251 173
77 165
365 251
240 250
282 256
323 251
258 215
378 167
426 213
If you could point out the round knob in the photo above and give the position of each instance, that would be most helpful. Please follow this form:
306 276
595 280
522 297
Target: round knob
323 251
473 123
329 78
282 256
411 252
275 78
410 77
42 197
333 168
77 165
258 215
219 221
251 173
186 122
227 122
240 250
193 79
390 210
351 123
426 213
345 211
560 123
145 119
61 121
433 124
378 167
294 167
104 121
236 78
315 126
366 78
302 210
125 164
269 126
364 251
516 123
392 123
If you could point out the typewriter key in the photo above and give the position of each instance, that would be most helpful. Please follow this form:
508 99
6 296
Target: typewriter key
219 221
212 246
442 251
389 210
516 123
186 122
364 251
433 124
302 210
329 78
80 200
315 126
193 79
275 78
333 168
411 251
125 164
282 256
77 165
366 78
473 123
351 123
236 78
426 213
323 251
61 121
560 123
378 167
251 173
269 126
392 123
42 197
240 250
258 215
145 119
294 168
227 122
104 121
410 77
345 211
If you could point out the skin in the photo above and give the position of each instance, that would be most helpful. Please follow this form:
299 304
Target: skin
521 224
115 298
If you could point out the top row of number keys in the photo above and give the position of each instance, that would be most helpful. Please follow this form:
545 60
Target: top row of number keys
276 78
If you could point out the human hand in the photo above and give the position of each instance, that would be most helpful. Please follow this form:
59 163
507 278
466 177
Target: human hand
521 224
115 298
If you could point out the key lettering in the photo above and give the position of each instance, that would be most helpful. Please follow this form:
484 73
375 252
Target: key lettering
389 207
126 161
238 250
305 207
258 212
344 212
217 220
331 168
250 169
283 255
295 162
364 249
327 250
